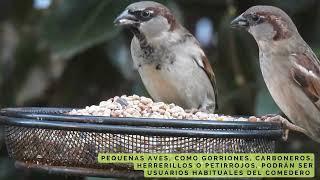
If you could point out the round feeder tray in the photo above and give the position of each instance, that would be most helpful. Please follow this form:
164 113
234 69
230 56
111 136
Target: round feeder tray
48 139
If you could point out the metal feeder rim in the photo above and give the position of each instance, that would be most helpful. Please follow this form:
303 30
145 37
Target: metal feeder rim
50 114
48 118
132 130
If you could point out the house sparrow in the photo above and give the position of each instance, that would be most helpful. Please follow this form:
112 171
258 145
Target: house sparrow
289 67
172 66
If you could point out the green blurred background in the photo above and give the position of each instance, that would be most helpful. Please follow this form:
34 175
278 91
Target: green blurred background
67 53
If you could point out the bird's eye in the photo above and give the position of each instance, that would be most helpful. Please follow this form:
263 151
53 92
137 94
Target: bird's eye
130 11
145 14
255 18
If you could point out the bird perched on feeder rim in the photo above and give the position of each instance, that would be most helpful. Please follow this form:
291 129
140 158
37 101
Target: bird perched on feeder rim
289 67
170 61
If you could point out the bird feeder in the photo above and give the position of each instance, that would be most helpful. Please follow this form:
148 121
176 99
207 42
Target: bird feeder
49 140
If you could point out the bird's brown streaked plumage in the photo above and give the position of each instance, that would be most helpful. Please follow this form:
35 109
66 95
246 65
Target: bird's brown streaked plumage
289 67
306 72
170 61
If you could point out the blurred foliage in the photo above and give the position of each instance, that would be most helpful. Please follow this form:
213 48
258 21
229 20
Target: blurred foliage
71 27
72 55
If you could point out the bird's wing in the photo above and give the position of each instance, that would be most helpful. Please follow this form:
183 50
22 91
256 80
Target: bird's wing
201 60
204 63
306 73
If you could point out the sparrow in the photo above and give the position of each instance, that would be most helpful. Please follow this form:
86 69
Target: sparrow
289 67
170 61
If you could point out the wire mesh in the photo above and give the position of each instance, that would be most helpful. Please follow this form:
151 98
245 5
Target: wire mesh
80 149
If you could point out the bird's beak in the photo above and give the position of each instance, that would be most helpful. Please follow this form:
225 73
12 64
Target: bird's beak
240 22
125 18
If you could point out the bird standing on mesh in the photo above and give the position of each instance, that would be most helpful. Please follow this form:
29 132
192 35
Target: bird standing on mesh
289 67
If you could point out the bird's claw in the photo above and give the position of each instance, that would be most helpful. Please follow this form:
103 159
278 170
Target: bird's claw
264 117
286 125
